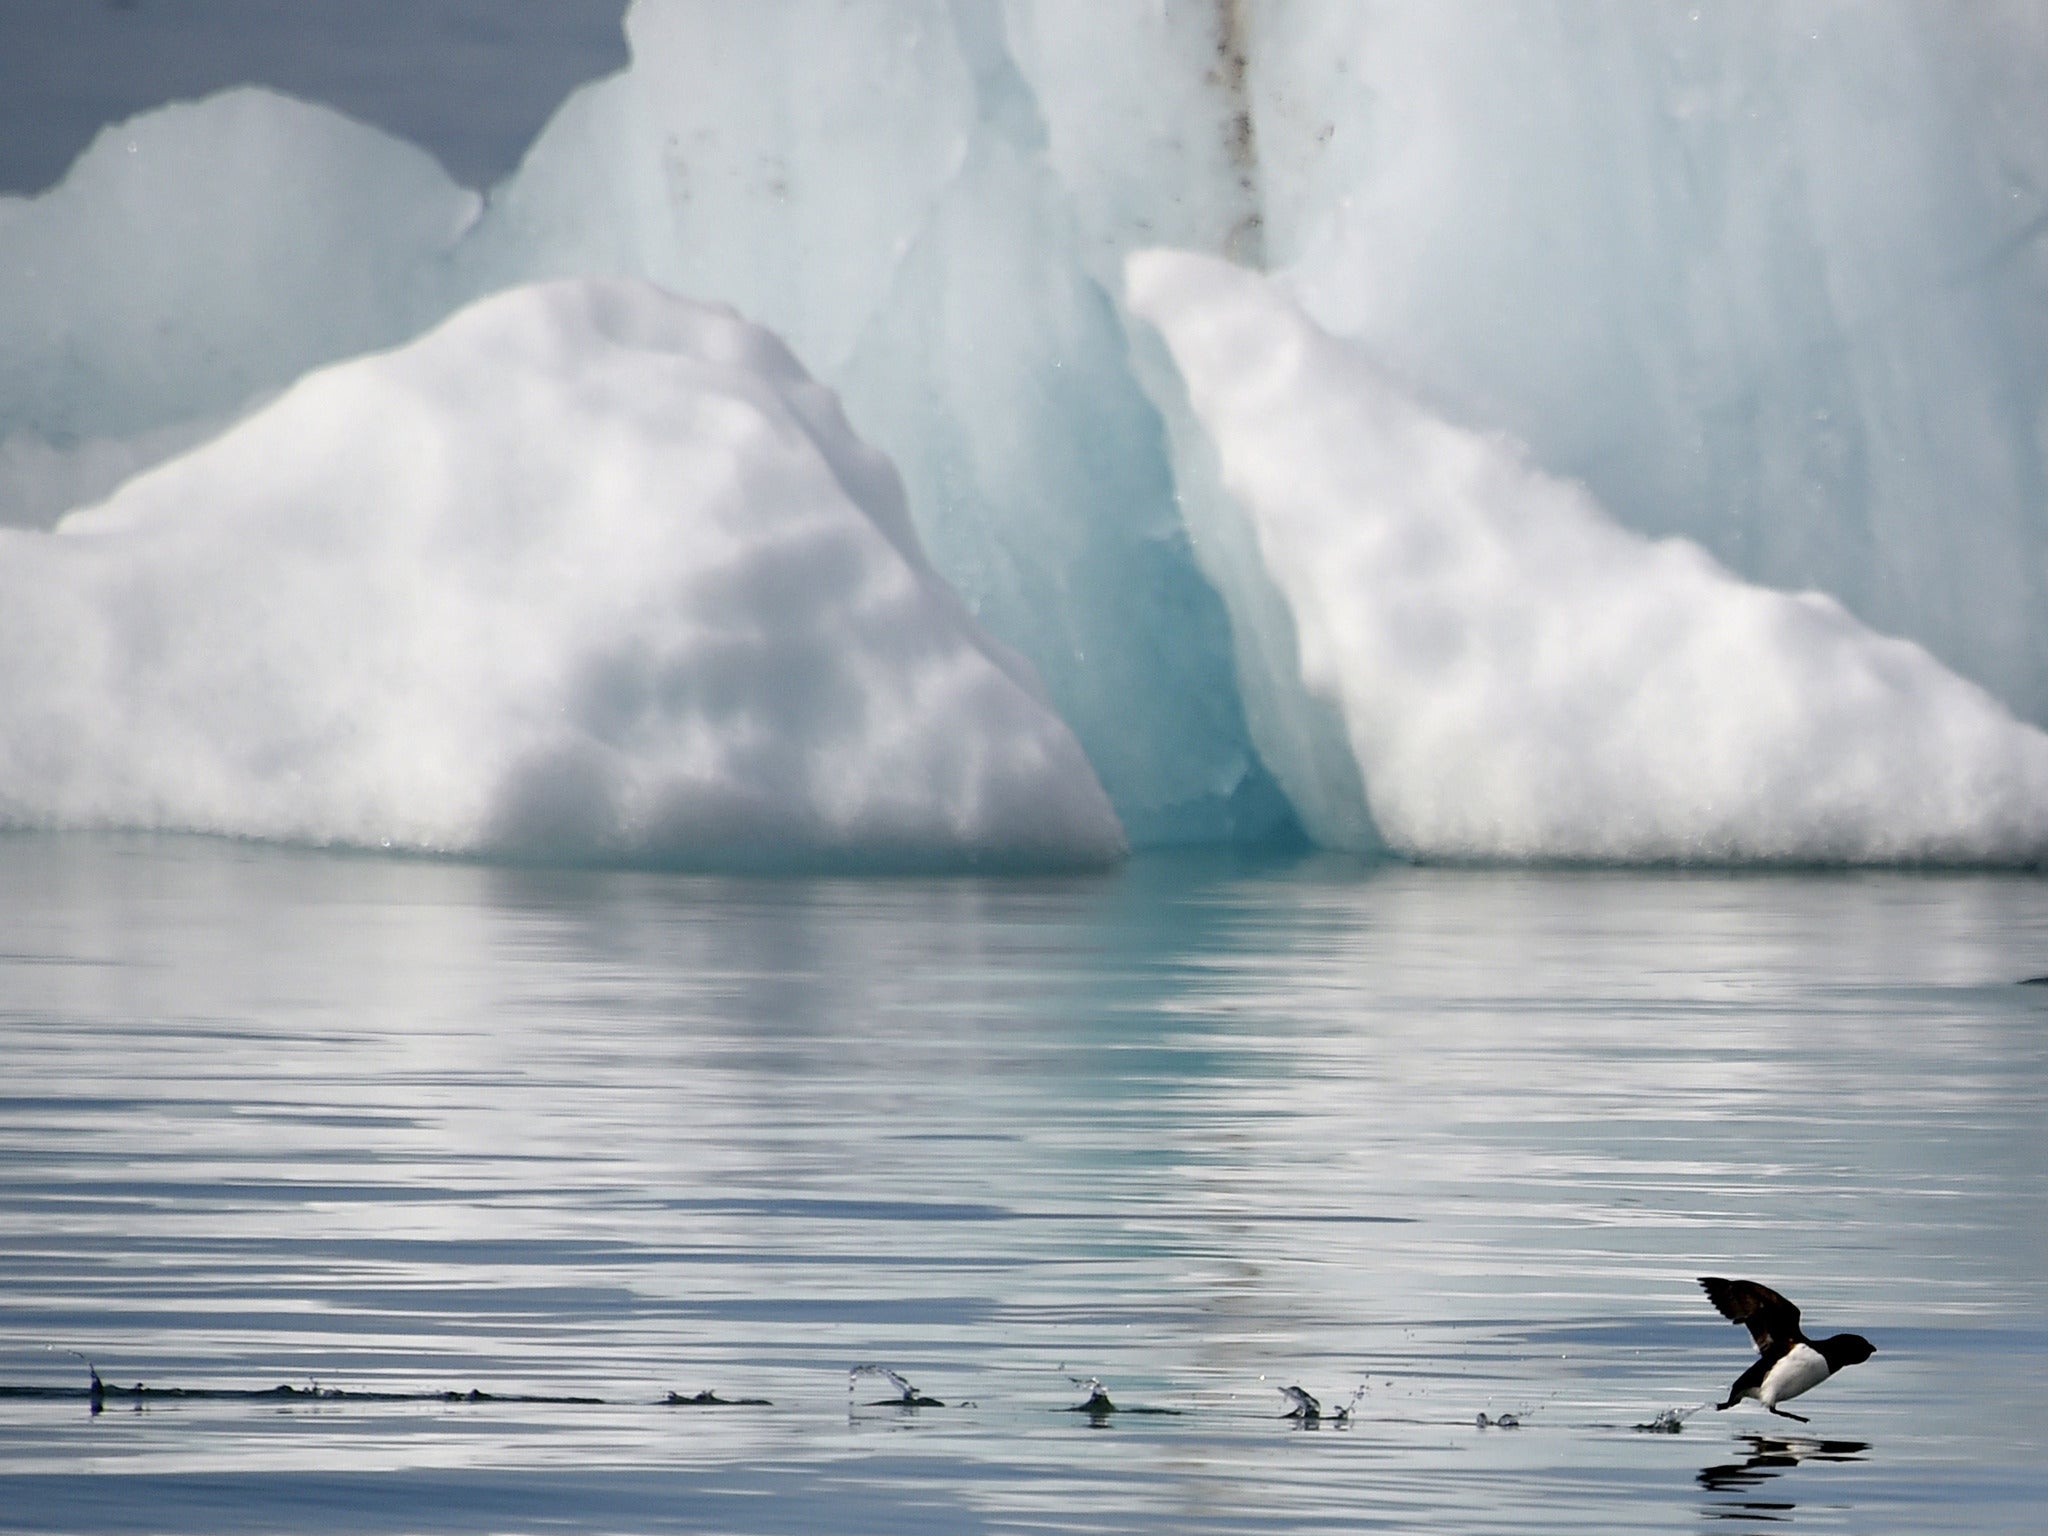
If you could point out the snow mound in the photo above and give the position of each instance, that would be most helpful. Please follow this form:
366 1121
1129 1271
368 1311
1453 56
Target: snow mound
1520 677
587 572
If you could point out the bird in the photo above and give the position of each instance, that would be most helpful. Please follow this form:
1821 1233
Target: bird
1097 1402
1305 1408
1308 1410
1788 1362
909 1396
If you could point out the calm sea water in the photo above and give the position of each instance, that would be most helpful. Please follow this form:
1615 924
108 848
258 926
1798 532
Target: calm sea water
1199 1129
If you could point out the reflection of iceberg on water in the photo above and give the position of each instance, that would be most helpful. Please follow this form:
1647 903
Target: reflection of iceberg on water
588 571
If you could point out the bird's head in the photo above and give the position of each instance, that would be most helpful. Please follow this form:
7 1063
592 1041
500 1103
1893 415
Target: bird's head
1847 1349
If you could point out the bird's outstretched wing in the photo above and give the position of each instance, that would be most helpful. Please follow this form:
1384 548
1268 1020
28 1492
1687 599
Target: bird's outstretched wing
1769 1317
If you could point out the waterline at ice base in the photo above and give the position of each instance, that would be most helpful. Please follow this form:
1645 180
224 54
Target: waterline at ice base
1552 433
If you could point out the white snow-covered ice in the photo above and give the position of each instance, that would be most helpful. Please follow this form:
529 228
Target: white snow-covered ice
1520 677
587 571
1767 278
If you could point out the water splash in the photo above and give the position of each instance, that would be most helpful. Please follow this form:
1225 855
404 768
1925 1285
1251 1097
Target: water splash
1670 1422
907 1396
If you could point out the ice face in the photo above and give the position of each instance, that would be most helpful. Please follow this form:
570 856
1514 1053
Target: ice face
1519 677
586 572
207 254
471 80
872 182
1767 276
195 262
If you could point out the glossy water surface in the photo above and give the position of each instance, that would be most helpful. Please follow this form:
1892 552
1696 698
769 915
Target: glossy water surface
1197 1128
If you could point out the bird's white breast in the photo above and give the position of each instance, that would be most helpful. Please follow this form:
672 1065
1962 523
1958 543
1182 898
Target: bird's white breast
1802 1369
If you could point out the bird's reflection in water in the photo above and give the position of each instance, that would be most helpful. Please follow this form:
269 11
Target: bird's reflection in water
1768 1456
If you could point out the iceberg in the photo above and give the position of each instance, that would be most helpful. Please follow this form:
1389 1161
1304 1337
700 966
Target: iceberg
873 183
199 258
1519 677
586 572
1763 286
1767 274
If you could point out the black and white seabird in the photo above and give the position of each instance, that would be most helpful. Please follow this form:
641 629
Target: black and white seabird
1788 1362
